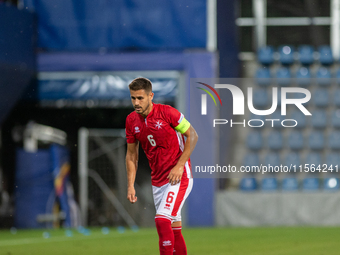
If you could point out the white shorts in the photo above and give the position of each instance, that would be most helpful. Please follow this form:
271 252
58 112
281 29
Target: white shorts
169 199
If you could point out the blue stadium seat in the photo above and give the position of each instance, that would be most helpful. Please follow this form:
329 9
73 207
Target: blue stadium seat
251 159
300 118
269 184
277 117
248 184
321 97
319 119
316 140
310 184
286 54
283 76
297 95
335 120
306 54
260 98
279 99
290 184
272 159
275 140
258 117
292 158
337 76
326 56
333 159
265 55
331 184
323 76
334 140
303 77
313 158
336 97
263 77
254 140
295 140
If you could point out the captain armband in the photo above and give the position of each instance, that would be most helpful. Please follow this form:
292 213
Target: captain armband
183 126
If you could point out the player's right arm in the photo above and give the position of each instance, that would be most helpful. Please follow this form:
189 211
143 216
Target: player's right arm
131 168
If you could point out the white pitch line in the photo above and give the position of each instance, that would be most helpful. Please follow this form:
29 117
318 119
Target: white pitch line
59 239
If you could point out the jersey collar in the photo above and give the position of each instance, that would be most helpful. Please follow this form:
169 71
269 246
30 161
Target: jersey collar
150 113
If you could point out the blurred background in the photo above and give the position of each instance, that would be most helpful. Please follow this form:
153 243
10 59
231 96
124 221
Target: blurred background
64 70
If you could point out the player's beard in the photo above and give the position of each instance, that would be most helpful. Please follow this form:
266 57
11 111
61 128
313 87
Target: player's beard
142 110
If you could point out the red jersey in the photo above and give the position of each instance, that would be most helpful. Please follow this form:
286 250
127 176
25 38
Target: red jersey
162 144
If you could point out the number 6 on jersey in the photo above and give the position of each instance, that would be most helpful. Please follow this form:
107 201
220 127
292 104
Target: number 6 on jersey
151 140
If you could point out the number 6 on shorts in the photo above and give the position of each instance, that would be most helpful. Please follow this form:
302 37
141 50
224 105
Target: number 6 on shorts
170 197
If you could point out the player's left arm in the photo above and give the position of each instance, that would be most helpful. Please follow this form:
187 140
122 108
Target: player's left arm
176 172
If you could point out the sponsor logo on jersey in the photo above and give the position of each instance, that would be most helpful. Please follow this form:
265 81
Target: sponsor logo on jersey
159 124
137 130
167 243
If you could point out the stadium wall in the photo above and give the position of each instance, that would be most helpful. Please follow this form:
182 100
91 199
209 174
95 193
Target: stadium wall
17 55
250 209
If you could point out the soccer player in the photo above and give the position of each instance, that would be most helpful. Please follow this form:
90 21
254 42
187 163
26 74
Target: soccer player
160 129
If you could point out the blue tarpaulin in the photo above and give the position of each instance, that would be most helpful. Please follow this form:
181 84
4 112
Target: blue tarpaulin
120 24
42 179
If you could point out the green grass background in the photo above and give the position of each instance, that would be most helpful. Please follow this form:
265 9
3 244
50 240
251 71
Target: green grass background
200 241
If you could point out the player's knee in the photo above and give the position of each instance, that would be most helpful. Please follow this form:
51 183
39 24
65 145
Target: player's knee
162 223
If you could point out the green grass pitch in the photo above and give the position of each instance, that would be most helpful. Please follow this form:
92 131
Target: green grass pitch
200 241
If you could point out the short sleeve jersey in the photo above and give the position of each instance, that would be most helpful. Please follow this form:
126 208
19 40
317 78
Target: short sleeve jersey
162 144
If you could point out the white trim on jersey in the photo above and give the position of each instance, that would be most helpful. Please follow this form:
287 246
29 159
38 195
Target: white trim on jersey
181 118
187 169
181 146
180 140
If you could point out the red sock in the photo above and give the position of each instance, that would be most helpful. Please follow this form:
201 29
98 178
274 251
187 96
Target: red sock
180 248
166 236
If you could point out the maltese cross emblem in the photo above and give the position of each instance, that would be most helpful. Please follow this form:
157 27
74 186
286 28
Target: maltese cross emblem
159 124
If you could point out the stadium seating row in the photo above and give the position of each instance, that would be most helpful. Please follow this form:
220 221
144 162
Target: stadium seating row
295 140
320 119
321 98
305 55
315 140
289 184
303 76
295 159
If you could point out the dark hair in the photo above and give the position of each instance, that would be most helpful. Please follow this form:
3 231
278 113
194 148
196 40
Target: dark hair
141 83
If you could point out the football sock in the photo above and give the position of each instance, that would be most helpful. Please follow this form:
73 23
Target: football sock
166 235
179 248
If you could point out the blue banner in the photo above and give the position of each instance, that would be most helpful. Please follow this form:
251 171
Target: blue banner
120 24
101 87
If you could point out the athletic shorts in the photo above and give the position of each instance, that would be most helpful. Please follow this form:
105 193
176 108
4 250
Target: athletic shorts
169 199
